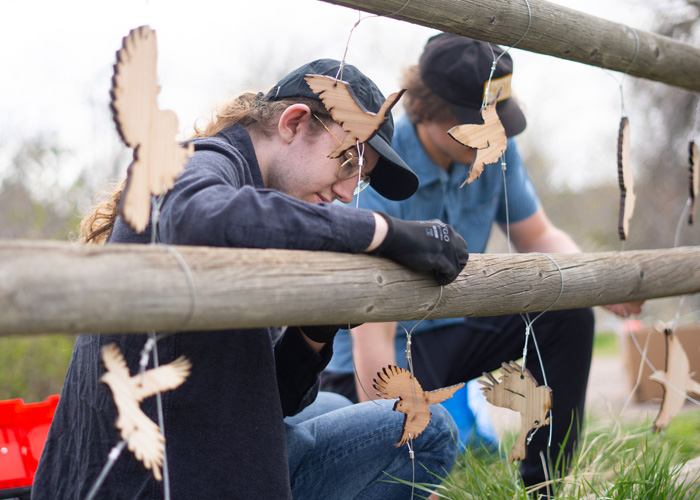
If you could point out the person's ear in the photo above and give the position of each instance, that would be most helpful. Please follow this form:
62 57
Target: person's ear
293 121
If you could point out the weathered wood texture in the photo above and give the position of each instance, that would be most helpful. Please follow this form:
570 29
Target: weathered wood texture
554 30
48 287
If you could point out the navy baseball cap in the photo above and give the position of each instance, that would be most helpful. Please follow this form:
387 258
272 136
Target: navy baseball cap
392 177
457 69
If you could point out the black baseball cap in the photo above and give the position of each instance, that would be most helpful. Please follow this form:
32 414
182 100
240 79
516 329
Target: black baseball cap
392 177
456 68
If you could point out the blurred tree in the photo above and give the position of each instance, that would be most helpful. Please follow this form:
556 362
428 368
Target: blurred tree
32 202
33 205
661 164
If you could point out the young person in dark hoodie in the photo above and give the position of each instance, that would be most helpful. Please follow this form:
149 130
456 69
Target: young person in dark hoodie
260 177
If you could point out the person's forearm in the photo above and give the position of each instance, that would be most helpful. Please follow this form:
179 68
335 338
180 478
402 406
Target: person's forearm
380 230
373 348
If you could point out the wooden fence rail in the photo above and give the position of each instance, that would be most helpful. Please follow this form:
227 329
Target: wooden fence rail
54 287
553 30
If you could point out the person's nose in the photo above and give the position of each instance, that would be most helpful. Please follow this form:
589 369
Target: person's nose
345 189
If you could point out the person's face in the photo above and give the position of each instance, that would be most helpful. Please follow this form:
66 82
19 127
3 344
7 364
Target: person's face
307 173
442 148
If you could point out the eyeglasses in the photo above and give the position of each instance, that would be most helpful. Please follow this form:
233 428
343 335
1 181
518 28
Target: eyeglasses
351 166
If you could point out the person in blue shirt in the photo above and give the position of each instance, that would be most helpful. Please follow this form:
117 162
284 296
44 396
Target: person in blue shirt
444 90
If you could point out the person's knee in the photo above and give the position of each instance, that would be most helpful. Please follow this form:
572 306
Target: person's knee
440 438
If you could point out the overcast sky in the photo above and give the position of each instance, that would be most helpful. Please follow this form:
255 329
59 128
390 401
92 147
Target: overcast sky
56 62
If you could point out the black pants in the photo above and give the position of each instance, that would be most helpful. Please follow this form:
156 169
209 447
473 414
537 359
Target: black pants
462 352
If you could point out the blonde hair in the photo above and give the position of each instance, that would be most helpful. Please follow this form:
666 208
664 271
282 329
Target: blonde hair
248 109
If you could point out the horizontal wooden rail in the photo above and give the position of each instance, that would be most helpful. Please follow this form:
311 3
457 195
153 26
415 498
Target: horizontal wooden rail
553 30
54 287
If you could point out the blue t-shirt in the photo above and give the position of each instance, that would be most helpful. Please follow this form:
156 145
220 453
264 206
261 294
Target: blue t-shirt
471 211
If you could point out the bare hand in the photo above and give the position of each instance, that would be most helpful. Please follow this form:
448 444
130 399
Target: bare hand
626 309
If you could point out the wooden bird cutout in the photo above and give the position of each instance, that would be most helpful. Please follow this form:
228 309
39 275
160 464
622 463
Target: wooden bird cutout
489 139
694 167
395 382
338 98
142 435
676 381
517 389
625 179
158 159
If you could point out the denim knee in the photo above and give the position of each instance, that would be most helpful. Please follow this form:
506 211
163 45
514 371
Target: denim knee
440 439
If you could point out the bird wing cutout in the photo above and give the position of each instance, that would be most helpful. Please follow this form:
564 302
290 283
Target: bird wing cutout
489 139
676 381
340 101
517 390
395 382
694 167
143 436
625 179
114 361
164 378
440 395
158 159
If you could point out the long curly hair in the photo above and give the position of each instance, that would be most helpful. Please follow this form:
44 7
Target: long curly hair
249 109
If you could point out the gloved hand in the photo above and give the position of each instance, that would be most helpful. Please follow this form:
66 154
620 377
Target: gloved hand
430 245
323 333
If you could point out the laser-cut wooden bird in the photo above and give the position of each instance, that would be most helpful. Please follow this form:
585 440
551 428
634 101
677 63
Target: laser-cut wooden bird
158 159
489 139
340 101
142 435
395 382
517 389
676 380
694 168
625 179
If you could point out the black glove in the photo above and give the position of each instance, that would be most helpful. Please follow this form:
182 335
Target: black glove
430 245
323 333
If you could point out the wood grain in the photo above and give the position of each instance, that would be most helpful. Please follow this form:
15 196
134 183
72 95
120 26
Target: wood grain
53 287
553 30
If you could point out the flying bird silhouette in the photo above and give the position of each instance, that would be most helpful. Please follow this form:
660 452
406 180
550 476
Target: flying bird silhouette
694 168
489 139
395 382
677 381
339 99
158 159
517 389
625 179
142 435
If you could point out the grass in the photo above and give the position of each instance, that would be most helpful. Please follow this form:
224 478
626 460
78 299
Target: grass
616 461
605 344
33 367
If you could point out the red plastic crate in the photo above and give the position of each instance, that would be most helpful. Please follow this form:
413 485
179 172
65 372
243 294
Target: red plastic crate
23 431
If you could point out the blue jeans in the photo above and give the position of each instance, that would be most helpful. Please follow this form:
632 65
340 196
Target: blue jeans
341 450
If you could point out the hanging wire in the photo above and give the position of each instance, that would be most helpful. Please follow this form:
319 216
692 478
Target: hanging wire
496 59
151 348
695 122
624 75
409 363
339 75
408 342
111 459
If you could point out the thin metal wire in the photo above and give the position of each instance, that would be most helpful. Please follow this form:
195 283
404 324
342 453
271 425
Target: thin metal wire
408 341
339 74
695 122
496 59
624 75
106 468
